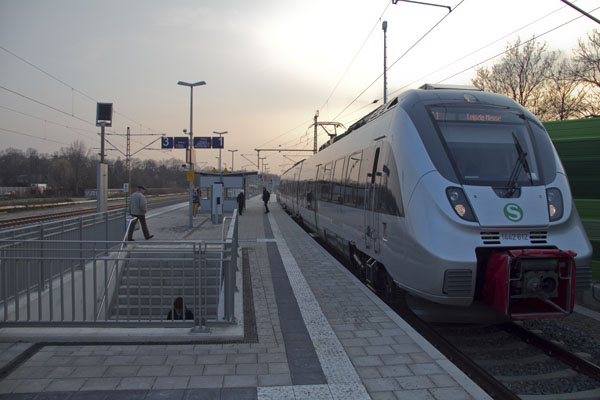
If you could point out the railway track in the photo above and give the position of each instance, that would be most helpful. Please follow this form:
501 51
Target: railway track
507 360
510 361
525 364
39 217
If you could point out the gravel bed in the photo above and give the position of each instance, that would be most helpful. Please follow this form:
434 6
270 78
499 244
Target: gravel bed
576 332
491 345
553 386
519 369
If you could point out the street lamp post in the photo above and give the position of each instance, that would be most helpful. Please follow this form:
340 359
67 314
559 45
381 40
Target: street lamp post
232 151
191 147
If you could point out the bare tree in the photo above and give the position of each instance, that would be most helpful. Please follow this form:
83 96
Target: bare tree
60 175
520 75
83 170
586 71
563 98
587 60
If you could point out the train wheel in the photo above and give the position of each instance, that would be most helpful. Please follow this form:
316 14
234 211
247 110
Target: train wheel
391 292
355 265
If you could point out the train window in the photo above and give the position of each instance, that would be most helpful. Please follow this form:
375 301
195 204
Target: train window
337 188
364 181
325 182
488 147
204 193
231 193
375 162
352 175
546 153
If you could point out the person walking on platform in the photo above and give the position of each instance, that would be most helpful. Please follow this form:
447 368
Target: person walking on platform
137 209
241 200
266 196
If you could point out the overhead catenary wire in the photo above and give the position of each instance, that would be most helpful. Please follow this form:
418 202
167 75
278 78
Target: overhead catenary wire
398 59
336 85
32 136
356 55
471 53
478 50
72 88
513 47
481 48
46 120
47 106
300 140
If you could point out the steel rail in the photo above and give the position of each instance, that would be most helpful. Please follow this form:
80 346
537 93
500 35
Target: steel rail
555 350
63 214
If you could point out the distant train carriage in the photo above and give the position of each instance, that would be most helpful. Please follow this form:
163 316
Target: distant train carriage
453 194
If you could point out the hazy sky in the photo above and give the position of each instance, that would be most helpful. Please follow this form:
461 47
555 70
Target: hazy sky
268 65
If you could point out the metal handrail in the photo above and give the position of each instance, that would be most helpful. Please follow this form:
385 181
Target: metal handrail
61 281
114 267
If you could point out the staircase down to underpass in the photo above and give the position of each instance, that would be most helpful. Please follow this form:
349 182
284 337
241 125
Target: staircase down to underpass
150 282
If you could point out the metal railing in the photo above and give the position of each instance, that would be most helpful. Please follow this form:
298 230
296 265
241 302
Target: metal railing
78 237
90 283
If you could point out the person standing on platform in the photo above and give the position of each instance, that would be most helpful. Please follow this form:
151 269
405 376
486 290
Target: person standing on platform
196 201
137 208
266 196
241 200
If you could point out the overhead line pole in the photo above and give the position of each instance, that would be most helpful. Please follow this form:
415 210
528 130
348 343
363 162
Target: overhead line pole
384 27
315 141
590 16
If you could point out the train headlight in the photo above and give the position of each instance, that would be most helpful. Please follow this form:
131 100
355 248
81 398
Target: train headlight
460 204
555 204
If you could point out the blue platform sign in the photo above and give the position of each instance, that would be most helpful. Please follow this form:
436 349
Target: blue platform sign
218 142
166 142
181 142
202 142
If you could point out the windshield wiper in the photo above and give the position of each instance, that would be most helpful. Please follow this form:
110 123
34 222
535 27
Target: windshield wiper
512 184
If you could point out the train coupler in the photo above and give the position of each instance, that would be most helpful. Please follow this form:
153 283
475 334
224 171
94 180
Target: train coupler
531 283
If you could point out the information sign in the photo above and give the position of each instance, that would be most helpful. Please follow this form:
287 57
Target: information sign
218 142
202 142
181 142
166 142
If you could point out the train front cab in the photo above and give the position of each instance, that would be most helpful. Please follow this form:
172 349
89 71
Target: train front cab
509 180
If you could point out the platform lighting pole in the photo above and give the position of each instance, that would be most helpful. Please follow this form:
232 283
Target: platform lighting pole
221 146
232 151
257 161
191 144
384 27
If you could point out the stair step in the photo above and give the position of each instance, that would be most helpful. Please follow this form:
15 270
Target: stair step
164 281
166 301
155 313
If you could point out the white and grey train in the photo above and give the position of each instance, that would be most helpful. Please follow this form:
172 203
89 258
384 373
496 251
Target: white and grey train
453 194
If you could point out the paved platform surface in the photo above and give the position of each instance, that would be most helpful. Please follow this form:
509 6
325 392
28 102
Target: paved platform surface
316 333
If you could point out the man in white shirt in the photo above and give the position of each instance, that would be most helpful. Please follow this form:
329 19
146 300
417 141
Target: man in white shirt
137 209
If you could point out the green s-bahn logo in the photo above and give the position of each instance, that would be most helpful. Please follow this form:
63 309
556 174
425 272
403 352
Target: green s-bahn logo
513 212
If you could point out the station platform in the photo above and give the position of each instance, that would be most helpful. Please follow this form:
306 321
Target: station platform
310 330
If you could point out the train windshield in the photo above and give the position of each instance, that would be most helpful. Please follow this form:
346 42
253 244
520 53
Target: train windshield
488 146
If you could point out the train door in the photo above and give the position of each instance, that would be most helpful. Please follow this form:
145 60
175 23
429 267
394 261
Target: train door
371 216
316 195
297 184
